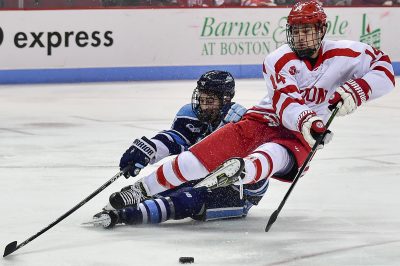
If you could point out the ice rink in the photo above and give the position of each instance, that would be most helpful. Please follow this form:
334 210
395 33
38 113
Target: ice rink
59 143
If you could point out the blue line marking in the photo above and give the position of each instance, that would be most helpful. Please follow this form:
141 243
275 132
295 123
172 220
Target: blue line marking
26 76
111 74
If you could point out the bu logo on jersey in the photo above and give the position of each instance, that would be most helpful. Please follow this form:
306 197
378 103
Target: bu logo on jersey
293 71
313 94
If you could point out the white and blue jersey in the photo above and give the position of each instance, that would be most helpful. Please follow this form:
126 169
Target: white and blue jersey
186 130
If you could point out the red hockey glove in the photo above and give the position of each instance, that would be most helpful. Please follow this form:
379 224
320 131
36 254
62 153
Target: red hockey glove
312 128
352 94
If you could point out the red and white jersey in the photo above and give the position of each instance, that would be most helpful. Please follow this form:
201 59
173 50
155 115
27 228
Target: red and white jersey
296 89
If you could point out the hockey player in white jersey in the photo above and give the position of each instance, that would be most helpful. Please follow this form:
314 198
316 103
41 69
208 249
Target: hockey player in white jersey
304 78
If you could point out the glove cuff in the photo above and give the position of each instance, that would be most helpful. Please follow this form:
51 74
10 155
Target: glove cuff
304 116
358 89
308 123
146 146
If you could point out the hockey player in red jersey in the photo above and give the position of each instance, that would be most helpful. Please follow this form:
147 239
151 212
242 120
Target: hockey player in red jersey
304 77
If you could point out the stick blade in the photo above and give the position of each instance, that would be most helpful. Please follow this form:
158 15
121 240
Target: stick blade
271 220
10 248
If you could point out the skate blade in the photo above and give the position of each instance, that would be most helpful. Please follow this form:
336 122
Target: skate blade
96 223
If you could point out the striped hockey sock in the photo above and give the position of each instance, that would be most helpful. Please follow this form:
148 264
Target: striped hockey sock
181 204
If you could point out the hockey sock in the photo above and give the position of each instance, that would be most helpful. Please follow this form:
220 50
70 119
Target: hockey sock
185 167
265 161
186 202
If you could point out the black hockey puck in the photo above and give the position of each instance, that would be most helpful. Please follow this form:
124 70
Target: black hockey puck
186 260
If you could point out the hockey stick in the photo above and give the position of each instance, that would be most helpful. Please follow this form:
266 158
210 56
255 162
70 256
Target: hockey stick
275 214
11 247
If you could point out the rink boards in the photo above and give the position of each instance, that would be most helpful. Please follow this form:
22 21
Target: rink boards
162 44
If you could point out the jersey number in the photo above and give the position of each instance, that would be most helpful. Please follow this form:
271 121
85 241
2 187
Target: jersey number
279 79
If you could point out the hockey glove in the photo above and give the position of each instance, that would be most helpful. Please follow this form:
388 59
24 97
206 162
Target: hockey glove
312 128
138 156
352 94
234 114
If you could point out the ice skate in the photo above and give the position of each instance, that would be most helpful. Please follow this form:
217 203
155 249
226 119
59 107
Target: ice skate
226 174
129 196
106 219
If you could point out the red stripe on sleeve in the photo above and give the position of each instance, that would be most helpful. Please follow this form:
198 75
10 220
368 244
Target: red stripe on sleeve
336 52
177 171
340 52
285 104
284 60
286 90
289 101
161 178
289 89
275 99
386 59
387 72
368 52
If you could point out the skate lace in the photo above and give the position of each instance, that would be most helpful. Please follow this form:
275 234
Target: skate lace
133 196
241 187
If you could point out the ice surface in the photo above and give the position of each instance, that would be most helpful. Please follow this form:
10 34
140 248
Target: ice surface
58 143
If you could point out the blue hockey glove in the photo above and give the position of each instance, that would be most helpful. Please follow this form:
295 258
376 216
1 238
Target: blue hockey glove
234 114
138 156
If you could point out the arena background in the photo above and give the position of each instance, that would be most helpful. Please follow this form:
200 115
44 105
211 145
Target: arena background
41 46
60 142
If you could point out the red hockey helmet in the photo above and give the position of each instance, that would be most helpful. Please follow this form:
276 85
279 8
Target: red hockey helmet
309 12
305 28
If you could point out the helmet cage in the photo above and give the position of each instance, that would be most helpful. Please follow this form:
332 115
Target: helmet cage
305 39
211 85
209 115
306 27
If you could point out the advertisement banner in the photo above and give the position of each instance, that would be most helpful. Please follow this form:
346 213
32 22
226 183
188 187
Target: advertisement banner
141 44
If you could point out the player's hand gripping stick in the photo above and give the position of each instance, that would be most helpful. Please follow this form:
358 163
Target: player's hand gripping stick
275 214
